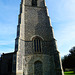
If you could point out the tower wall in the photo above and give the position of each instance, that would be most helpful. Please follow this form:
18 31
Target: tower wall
35 45
37 23
31 59
40 3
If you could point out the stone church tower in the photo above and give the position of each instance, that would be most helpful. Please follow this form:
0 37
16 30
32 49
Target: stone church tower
35 46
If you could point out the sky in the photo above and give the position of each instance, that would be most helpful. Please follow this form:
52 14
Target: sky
61 12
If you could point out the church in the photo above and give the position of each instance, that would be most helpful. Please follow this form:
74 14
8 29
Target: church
35 51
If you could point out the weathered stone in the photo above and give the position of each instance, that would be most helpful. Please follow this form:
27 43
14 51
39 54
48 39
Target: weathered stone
34 22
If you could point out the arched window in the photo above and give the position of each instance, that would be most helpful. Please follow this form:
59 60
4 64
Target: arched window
38 68
37 44
34 2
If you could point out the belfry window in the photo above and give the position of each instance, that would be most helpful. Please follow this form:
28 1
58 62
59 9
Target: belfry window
34 2
37 44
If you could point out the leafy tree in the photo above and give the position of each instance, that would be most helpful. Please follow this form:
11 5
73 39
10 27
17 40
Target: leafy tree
71 57
69 60
64 62
72 51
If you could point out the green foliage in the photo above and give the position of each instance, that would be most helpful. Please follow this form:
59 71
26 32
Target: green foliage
72 51
69 60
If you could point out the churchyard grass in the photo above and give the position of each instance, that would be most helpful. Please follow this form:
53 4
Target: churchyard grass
69 73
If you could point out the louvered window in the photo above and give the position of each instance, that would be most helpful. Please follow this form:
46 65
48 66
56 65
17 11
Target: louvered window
37 44
34 2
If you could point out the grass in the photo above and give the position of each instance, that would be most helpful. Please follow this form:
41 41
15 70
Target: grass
69 73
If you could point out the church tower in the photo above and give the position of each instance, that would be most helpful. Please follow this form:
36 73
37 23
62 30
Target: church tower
35 46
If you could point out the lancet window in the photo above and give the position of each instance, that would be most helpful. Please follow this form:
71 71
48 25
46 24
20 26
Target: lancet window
37 44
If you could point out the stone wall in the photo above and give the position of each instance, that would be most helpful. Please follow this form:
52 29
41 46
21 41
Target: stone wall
31 59
40 3
34 21
37 23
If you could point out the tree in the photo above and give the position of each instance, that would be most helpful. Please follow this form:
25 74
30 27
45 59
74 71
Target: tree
64 62
72 51
69 60
72 57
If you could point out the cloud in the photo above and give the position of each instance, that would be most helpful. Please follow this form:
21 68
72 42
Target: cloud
65 36
63 10
65 33
62 14
6 42
7 46
0 54
7 29
8 24
7 50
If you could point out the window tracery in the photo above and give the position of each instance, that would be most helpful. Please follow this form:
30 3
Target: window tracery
37 44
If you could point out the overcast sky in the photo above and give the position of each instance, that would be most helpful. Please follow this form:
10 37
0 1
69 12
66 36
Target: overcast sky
61 12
